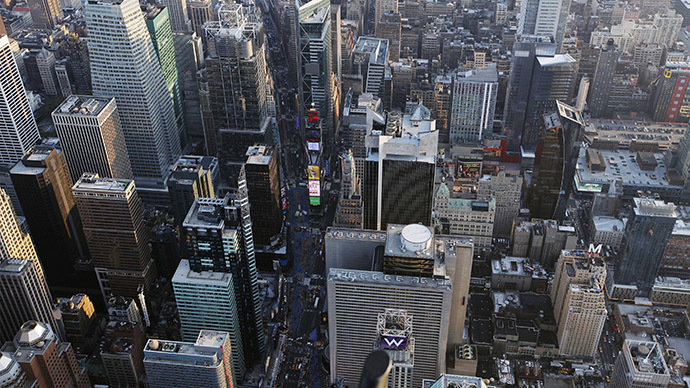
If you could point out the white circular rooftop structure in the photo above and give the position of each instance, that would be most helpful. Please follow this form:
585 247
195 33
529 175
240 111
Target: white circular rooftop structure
9 370
33 332
415 237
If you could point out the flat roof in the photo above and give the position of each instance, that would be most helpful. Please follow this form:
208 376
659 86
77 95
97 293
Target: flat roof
621 165
379 278
184 274
654 207
608 224
666 135
82 105
376 48
206 212
92 182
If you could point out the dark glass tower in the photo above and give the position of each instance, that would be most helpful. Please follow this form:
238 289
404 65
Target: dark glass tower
263 184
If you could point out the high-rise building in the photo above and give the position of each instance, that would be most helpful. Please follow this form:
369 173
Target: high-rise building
465 217
390 27
191 177
91 137
579 302
44 189
11 374
46 359
78 322
237 77
45 61
399 171
45 13
263 185
177 10
394 336
676 259
603 77
506 188
473 104
348 214
547 194
199 12
313 58
158 22
370 61
122 350
64 83
222 224
204 363
198 311
15 243
544 18
25 296
646 236
670 103
381 7
18 130
138 84
118 239
640 364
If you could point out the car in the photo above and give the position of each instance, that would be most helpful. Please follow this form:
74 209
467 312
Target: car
601 350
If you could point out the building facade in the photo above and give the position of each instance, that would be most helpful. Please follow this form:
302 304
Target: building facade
473 104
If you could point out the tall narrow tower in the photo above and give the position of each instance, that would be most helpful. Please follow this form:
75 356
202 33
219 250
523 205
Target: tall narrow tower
18 130
125 65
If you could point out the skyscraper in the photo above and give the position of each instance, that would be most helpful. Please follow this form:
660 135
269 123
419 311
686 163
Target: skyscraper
46 359
158 23
91 137
204 363
370 61
381 7
25 296
390 27
640 364
547 194
177 10
45 61
603 76
199 12
18 130
506 188
128 69
237 75
221 224
473 104
118 240
44 189
644 241
11 373
191 177
394 336
263 185
544 18
579 303
45 13
14 242
670 103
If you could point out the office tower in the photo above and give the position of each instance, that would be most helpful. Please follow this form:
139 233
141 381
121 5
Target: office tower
177 10
640 364
158 23
46 359
313 58
370 60
646 236
45 13
198 311
146 110
394 336
78 322
91 137
64 83
45 61
465 217
191 177
122 349
399 173
222 224
237 80
603 77
199 13
204 363
579 303
118 240
390 27
669 101
426 275
44 189
384 6
14 241
506 188
547 195
544 18
263 185
78 63
18 130
25 296
473 104
11 374
348 214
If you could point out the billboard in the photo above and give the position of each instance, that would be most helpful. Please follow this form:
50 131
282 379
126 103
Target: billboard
312 117
588 187
314 188
393 342
313 173
313 145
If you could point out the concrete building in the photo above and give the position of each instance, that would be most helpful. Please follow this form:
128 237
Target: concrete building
603 77
473 104
11 374
206 362
506 188
382 7
370 61
465 217
389 27
45 61
518 273
669 291
117 237
543 18
542 240
676 259
348 214
579 303
394 336
646 236
19 131
137 82
191 177
199 12
177 11
91 137
122 350
607 231
79 323
641 363
45 359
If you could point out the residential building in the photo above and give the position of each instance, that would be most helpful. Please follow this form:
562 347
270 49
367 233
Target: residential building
122 350
669 101
603 77
45 61
641 363
473 104
79 323
382 7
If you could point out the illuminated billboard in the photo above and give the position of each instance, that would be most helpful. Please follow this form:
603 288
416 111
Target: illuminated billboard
313 146
313 173
587 187
393 342
314 188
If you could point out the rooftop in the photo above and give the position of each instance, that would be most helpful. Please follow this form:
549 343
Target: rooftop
208 354
375 47
90 182
646 356
83 105
608 224
483 74
259 154
371 277
654 208
625 132
206 212
184 274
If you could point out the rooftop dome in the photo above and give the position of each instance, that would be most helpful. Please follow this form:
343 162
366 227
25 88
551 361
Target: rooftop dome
33 332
